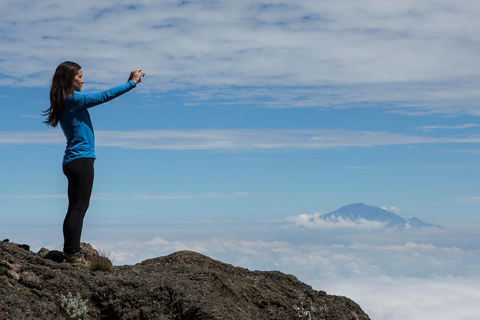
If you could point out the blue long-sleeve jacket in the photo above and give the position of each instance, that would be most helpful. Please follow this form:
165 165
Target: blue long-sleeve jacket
76 124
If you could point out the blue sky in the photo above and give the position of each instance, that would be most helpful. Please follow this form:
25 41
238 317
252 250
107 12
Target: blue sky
251 115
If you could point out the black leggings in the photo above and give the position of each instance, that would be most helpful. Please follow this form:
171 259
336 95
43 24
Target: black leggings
79 173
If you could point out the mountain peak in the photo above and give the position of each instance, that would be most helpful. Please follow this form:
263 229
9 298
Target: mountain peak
357 212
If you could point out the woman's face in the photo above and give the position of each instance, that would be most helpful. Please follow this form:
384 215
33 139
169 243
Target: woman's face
78 81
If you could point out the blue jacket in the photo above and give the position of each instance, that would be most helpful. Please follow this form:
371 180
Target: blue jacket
76 124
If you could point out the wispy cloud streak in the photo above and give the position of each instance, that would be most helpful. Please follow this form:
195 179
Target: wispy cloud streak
117 197
248 140
208 195
463 126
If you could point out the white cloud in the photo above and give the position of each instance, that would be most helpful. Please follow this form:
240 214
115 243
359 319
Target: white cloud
468 151
463 126
407 215
210 195
360 272
246 140
409 246
390 279
309 261
400 298
41 137
34 196
316 221
413 56
117 197
468 199
392 209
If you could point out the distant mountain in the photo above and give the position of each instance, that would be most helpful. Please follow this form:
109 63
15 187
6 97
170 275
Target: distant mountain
359 211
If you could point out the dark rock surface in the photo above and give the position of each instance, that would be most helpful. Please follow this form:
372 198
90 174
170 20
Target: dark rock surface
183 285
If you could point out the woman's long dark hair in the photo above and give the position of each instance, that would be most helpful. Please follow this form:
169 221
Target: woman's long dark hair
62 86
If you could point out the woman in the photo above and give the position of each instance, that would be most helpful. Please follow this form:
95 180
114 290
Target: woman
69 107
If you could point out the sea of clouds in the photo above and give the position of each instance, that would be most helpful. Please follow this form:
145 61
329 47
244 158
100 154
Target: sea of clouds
393 276
407 275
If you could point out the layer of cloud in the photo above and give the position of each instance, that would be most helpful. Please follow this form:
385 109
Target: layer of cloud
468 199
412 281
309 261
311 255
413 56
316 221
463 126
401 298
235 140
391 278
117 197
468 151
208 195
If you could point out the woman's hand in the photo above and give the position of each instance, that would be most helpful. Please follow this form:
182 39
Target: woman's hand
136 76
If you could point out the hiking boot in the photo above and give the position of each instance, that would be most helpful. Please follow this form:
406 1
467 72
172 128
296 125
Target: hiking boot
76 258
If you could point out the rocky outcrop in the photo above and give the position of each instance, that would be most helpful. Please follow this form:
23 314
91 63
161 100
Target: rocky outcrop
183 285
